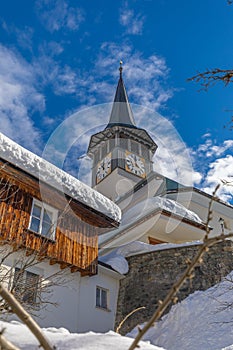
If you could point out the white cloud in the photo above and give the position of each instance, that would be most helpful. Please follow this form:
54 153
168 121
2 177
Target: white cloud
132 22
172 158
145 77
216 165
206 135
221 170
23 36
210 149
57 14
51 48
49 71
18 99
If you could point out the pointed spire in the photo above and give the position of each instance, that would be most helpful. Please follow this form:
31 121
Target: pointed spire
121 113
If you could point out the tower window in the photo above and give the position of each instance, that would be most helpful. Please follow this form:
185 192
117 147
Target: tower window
111 144
145 152
104 149
124 143
96 157
134 147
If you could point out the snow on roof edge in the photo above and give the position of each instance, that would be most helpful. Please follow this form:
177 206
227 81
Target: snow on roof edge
144 209
116 258
57 178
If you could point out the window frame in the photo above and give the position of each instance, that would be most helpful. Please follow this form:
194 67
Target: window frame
20 285
100 304
44 207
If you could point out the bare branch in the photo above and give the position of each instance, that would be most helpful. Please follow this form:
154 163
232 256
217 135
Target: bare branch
25 318
127 316
6 344
211 76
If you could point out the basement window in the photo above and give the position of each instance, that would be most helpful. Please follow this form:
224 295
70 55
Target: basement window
43 219
102 298
25 286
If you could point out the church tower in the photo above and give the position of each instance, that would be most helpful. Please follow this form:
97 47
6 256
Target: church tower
121 153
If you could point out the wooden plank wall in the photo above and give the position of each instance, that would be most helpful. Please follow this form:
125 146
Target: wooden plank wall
76 243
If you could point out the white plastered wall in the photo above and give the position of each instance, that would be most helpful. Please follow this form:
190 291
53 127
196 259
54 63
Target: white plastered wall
75 298
199 203
93 317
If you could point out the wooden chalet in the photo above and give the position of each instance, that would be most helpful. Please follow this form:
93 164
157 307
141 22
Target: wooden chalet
43 220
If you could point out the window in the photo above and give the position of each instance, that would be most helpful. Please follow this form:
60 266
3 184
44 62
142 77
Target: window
104 149
25 285
155 241
145 152
43 219
101 298
124 143
134 146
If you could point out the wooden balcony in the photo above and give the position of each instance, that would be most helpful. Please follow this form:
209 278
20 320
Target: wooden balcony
75 244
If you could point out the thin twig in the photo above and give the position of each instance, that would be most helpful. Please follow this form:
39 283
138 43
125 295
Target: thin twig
6 344
127 316
211 76
25 318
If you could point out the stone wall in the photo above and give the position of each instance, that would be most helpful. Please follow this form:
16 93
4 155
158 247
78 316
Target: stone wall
151 275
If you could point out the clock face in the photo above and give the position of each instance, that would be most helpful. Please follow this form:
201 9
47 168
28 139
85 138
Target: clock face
104 168
135 165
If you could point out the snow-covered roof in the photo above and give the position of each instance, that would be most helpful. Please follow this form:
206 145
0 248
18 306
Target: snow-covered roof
146 208
117 257
57 178
150 204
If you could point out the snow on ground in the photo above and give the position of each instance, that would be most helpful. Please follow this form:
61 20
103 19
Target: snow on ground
55 177
200 322
19 335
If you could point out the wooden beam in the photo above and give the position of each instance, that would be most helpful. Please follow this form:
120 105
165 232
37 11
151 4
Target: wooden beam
41 257
85 273
63 266
29 252
74 269
53 261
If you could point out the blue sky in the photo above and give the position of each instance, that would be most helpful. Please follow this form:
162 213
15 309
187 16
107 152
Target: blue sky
61 56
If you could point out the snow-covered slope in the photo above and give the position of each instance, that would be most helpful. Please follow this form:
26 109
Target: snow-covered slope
19 335
200 322
59 179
